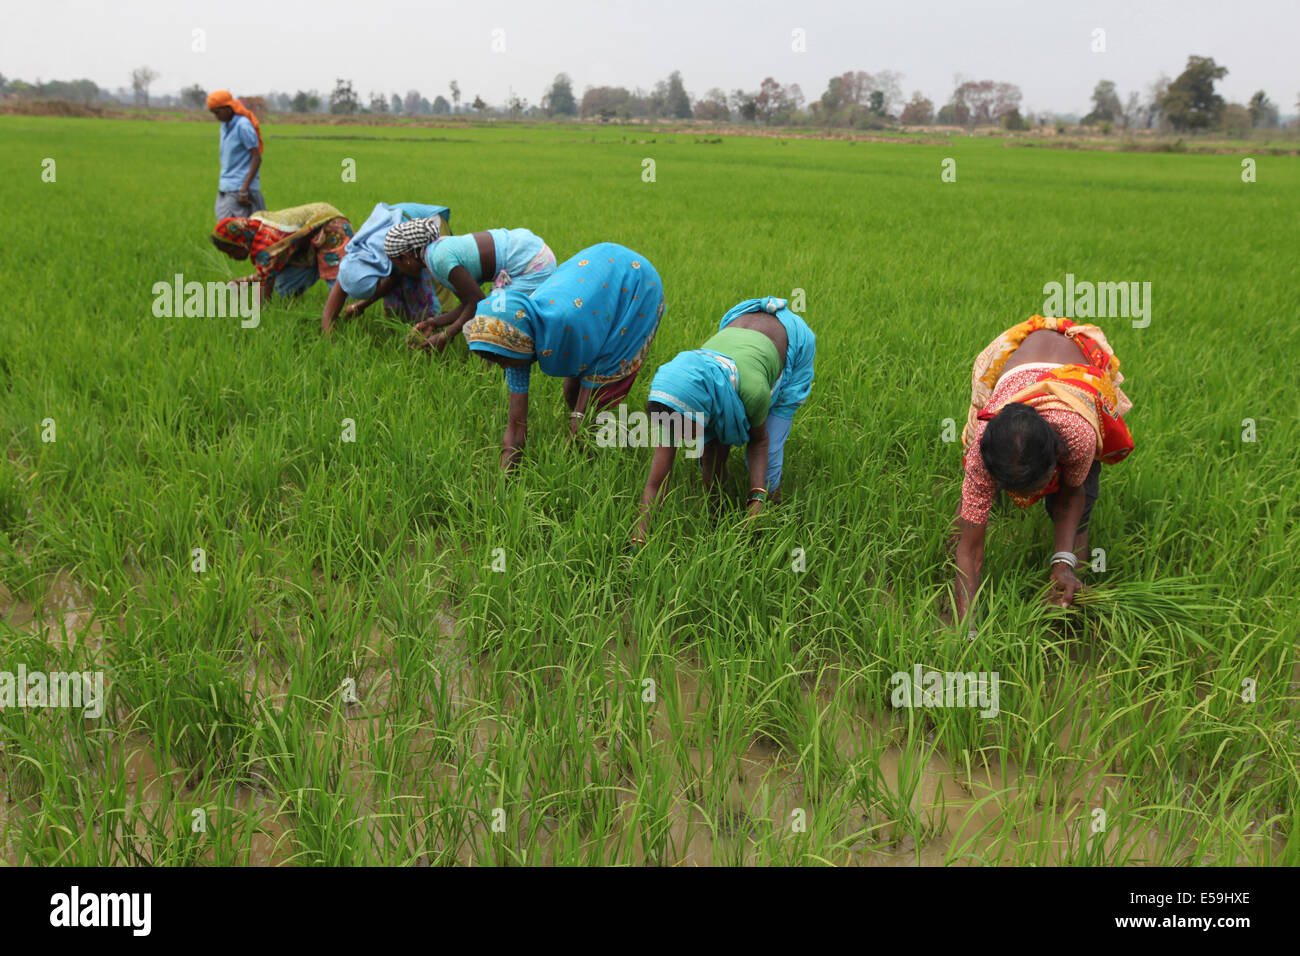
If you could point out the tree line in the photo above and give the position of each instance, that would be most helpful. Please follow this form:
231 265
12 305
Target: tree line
852 100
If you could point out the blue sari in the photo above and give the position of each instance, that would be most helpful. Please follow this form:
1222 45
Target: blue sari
704 384
593 319
795 384
365 262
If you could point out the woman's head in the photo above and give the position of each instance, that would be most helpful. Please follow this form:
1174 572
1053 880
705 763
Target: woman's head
235 236
238 253
405 243
221 104
502 330
1020 449
504 361
670 426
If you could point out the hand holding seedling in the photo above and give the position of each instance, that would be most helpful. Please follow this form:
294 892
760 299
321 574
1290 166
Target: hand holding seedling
1065 584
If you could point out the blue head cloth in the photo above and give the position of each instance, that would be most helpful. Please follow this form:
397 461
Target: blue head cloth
364 262
703 385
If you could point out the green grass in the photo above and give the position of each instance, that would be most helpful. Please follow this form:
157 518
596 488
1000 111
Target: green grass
770 737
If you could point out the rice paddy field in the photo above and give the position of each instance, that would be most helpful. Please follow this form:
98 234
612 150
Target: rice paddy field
388 653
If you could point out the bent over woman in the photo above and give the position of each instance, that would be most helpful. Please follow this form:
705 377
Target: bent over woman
508 258
1046 411
741 387
367 274
290 248
591 324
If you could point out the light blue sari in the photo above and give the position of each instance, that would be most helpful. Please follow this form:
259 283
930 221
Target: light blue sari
364 262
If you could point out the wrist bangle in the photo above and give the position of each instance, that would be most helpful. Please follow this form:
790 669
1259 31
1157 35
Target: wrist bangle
758 494
1065 557
576 414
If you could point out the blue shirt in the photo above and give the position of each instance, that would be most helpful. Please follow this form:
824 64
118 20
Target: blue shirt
238 140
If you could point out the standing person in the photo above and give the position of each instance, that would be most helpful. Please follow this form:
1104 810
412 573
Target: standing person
290 248
239 187
367 274
741 387
516 259
1046 411
591 323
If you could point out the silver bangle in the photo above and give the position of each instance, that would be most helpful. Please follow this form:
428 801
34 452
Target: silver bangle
1065 557
575 414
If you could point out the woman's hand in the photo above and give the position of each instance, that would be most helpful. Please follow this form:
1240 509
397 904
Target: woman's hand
639 535
1065 584
755 506
353 309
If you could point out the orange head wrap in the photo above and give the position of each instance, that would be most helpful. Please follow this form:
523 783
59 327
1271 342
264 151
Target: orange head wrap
223 98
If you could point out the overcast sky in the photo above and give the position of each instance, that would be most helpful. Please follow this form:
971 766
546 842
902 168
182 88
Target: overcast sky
1044 46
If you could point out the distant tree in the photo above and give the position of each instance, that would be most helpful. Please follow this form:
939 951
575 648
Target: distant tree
1153 114
141 79
378 102
769 100
516 105
559 99
918 112
1262 112
256 105
776 103
1013 120
304 102
344 98
745 105
1105 104
194 97
953 113
876 103
676 101
455 95
713 107
983 102
890 85
440 105
411 104
74 91
606 102
855 88
1133 113
1190 102
1235 119
833 97
478 103
281 102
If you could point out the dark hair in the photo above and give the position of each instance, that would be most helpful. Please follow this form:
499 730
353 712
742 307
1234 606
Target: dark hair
1019 448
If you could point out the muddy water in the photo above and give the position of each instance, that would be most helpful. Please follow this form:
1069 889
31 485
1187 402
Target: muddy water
974 815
